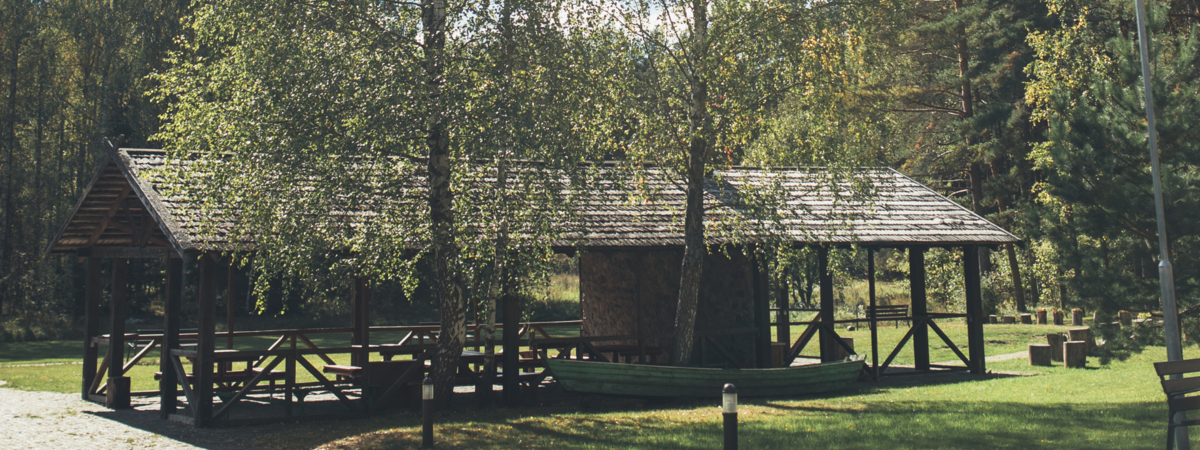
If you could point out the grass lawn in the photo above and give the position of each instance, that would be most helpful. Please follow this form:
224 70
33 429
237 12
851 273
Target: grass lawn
1114 406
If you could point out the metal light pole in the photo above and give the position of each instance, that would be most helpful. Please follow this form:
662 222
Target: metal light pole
1166 275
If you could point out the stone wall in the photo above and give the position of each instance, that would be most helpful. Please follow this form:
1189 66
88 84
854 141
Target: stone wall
627 293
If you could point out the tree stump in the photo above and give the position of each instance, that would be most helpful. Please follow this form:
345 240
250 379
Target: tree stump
1041 317
1055 341
993 319
1058 317
1039 354
1077 317
1126 318
1027 319
1083 335
1075 354
1009 319
840 353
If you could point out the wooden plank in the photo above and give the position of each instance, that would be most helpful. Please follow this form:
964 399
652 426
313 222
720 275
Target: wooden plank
806 336
325 382
310 345
274 346
248 386
896 351
949 343
182 378
108 215
98 380
133 361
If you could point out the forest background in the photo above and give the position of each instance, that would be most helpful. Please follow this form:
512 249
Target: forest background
1027 111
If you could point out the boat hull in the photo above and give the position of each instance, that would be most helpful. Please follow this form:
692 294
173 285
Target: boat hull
665 381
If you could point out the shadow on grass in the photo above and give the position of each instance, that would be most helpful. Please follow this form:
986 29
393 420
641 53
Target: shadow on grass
19 352
865 424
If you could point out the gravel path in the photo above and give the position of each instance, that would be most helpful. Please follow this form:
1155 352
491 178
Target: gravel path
63 421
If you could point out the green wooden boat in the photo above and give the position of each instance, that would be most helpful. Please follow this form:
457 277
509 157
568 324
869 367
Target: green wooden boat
590 377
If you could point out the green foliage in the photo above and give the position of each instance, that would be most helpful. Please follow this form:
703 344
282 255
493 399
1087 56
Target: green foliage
1097 193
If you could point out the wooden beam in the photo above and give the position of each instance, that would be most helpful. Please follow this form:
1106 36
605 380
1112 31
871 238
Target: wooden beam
118 397
828 347
108 215
512 348
129 252
783 318
230 294
916 283
206 341
91 324
873 324
172 303
975 342
762 311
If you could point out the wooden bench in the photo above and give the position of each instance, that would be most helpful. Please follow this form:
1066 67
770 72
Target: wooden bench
894 313
1177 391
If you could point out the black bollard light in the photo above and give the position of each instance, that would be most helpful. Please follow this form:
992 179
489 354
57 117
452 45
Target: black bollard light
427 413
729 411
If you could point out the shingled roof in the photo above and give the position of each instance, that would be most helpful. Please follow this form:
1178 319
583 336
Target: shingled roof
126 207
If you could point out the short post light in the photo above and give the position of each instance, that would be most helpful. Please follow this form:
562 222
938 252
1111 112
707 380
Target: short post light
729 411
427 413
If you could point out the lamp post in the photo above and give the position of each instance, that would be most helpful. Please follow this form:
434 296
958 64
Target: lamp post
1166 275
427 413
729 412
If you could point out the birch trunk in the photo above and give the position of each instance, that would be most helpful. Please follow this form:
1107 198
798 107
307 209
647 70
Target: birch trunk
441 213
694 250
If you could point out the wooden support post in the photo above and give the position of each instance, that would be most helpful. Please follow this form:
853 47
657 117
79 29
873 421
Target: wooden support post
976 351
355 317
871 310
762 311
828 347
783 318
205 341
91 324
118 389
362 291
230 294
916 282
168 386
512 349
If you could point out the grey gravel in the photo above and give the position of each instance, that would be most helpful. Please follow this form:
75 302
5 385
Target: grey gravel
63 421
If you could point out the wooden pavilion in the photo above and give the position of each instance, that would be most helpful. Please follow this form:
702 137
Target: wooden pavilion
628 269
